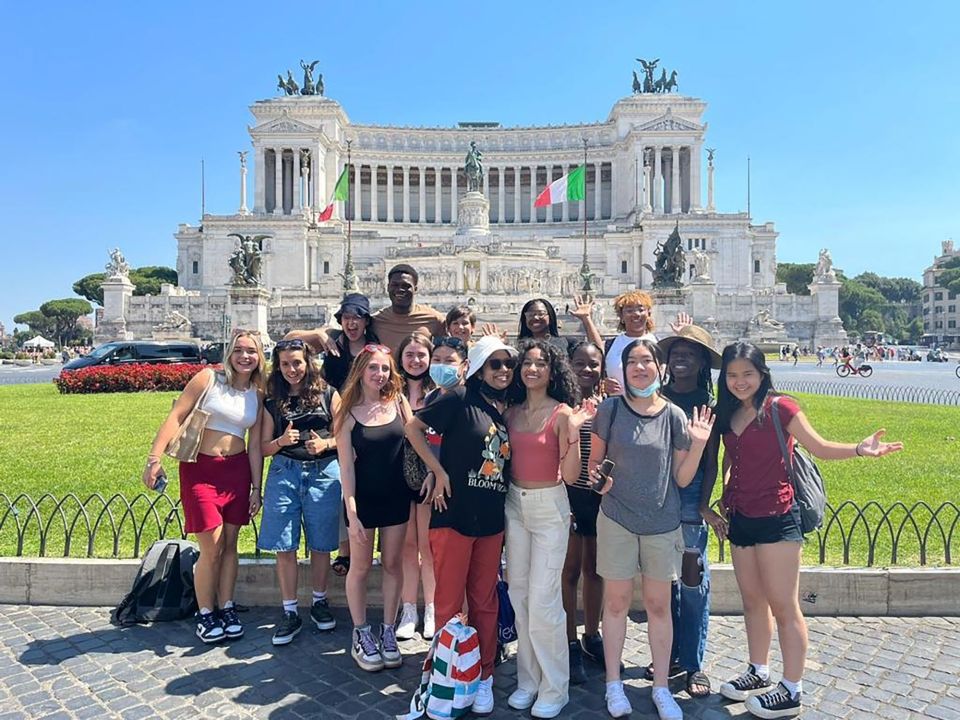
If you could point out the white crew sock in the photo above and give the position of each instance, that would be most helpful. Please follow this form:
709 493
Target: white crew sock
794 687
318 596
290 605
761 670
228 604
205 611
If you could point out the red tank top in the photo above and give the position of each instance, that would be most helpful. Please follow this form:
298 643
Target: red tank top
535 456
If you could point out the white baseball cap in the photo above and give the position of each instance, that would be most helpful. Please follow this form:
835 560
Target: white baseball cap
483 349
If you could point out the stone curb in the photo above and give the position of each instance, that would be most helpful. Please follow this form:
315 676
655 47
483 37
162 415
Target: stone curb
895 592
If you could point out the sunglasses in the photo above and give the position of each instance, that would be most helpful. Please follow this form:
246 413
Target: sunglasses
495 363
372 348
451 342
295 344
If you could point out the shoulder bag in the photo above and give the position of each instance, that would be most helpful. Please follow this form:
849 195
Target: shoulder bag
185 445
808 488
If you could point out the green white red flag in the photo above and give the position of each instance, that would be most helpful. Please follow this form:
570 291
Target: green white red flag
340 192
571 186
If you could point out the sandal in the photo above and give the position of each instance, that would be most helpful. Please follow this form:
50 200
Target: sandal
675 669
341 566
698 684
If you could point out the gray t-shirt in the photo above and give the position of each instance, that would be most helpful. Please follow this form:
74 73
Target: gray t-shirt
644 498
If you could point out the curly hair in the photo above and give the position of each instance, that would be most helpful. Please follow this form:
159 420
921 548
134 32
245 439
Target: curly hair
634 297
563 386
312 386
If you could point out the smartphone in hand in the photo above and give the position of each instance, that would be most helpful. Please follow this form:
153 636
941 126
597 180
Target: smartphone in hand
160 485
605 469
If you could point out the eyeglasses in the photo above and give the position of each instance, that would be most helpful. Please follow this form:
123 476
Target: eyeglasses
372 348
295 344
450 342
496 363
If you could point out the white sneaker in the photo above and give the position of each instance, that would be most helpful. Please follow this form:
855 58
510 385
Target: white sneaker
408 622
667 707
483 702
429 622
521 699
617 704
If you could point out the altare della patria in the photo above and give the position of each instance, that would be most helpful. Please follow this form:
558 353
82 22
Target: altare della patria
458 204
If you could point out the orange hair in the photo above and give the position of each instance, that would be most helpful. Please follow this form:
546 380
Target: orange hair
634 297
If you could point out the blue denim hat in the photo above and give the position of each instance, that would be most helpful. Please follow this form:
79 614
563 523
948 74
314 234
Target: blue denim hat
354 303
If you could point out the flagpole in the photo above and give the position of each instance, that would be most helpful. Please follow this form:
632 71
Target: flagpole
349 279
585 267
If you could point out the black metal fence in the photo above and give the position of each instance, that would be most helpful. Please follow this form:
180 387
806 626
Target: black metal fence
864 391
118 527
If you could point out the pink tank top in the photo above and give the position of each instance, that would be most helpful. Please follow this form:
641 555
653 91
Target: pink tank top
535 456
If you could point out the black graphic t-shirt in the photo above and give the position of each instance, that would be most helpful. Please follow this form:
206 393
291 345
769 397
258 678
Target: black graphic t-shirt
474 452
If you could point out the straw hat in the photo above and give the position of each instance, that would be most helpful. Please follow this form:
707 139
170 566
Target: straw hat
696 335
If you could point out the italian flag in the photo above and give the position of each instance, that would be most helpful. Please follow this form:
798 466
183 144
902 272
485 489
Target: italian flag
340 192
570 187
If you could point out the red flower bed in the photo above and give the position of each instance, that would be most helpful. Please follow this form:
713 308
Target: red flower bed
127 378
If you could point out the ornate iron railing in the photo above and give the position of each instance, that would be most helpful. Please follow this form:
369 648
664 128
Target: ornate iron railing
117 527
864 391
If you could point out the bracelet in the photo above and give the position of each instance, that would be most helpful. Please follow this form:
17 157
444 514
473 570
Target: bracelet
857 449
152 460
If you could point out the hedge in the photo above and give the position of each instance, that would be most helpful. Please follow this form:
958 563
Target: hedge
127 378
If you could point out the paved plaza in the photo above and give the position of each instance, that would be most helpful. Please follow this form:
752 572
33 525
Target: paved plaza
65 663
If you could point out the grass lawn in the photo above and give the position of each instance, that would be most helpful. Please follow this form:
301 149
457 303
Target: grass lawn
87 444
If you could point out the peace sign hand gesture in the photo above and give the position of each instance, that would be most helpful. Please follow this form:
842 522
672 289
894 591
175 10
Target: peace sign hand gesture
701 424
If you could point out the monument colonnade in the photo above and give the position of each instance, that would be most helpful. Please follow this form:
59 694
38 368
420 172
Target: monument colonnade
427 191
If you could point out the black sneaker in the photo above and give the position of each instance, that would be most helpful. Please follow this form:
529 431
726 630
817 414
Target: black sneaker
230 622
745 685
209 629
321 615
577 674
776 703
288 628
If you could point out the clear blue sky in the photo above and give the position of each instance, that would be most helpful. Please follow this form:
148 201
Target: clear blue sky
849 111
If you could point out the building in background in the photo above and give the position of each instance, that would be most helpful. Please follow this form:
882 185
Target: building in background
941 319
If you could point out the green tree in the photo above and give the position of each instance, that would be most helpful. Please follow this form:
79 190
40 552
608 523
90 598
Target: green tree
855 299
914 330
895 290
949 277
146 280
89 287
797 276
38 323
64 315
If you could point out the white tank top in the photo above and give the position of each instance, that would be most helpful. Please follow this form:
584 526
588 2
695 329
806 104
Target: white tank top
231 411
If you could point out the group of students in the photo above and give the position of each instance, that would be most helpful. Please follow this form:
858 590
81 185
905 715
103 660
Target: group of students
589 460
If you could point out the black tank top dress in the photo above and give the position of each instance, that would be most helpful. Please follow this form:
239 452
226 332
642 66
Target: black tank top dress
383 497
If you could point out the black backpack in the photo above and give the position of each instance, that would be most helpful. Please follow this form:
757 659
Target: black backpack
808 487
163 588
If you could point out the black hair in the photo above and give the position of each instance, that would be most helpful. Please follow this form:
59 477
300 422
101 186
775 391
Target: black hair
644 343
563 386
727 404
311 387
704 377
603 358
404 268
524 331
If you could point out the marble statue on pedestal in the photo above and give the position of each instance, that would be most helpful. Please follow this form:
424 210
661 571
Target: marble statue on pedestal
118 266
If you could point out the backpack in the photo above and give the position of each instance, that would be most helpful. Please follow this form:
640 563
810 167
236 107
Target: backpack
808 488
163 588
451 674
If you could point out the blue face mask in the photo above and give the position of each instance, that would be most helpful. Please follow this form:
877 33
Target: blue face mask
644 392
445 376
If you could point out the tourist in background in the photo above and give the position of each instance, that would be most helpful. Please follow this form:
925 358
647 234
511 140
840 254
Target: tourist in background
303 483
656 450
538 321
690 355
369 439
764 530
466 527
544 435
221 490
415 352
581 558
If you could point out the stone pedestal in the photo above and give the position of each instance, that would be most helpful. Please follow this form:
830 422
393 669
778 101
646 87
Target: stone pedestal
667 302
473 216
249 309
117 291
701 298
829 328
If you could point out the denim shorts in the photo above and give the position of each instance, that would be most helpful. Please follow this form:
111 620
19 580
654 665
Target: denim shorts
748 531
301 492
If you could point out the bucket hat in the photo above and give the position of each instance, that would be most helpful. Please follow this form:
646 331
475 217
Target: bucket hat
483 349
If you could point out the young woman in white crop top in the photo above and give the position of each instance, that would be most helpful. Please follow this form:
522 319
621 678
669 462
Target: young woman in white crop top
221 490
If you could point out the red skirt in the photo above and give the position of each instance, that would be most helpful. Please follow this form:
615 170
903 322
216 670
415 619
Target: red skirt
215 490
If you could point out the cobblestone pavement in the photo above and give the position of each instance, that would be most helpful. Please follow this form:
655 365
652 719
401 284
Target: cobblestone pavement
63 663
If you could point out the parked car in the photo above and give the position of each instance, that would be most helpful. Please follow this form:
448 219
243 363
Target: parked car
212 353
123 352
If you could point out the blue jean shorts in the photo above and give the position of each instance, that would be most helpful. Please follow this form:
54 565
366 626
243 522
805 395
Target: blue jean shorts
301 492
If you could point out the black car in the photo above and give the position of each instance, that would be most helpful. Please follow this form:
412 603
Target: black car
123 352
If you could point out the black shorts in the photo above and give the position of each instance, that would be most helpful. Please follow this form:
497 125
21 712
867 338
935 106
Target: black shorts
584 506
747 531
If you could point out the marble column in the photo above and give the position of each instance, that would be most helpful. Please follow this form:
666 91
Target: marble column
696 152
453 194
278 181
486 185
710 206
406 193
533 193
296 186
648 187
640 179
357 193
243 189
675 181
598 194
657 179
549 179
565 212
318 178
501 199
259 200
390 193
422 193
438 195
516 193
374 201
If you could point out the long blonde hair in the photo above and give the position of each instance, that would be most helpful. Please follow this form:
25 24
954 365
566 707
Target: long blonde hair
258 376
352 393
